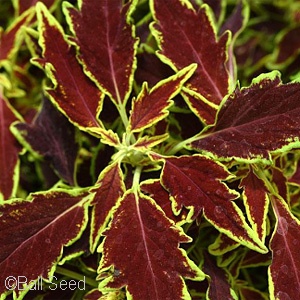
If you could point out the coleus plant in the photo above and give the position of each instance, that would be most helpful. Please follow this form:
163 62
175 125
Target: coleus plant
143 153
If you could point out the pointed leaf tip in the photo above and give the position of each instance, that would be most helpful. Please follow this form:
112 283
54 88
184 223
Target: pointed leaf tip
186 37
151 106
73 92
108 57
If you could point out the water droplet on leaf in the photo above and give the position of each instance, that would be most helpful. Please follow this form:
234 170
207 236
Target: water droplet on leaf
284 269
218 210
283 296
283 226
158 254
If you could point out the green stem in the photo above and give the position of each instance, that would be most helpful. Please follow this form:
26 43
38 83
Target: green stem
261 174
76 276
182 145
136 178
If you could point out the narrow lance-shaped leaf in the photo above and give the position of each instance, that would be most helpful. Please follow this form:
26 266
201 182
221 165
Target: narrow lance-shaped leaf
256 202
256 121
219 285
151 106
195 183
52 137
287 49
34 232
74 93
236 22
141 235
11 38
284 271
187 37
23 5
9 151
109 188
107 44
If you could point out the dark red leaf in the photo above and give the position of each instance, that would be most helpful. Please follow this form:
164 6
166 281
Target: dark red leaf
288 47
150 69
187 37
23 5
109 56
255 121
49 222
151 106
74 93
140 235
284 271
216 6
9 152
109 188
256 202
223 244
93 295
195 183
205 112
53 137
236 21
247 293
296 176
12 37
161 196
219 286
254 259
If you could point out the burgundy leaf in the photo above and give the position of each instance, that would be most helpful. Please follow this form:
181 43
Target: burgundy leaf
253 259
23 5
255 121
53 137
256 202
161 196
284 271
204 111
93 295
109 188
195 183
222 245
235 23
216 6
140 235
296 176
11 38
288 47
74 93
146 142
109 55
236 20
219 286
9 152
187 37
151 106
247 292
49 222
150 69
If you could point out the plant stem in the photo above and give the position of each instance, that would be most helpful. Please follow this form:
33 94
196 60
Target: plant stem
76 276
